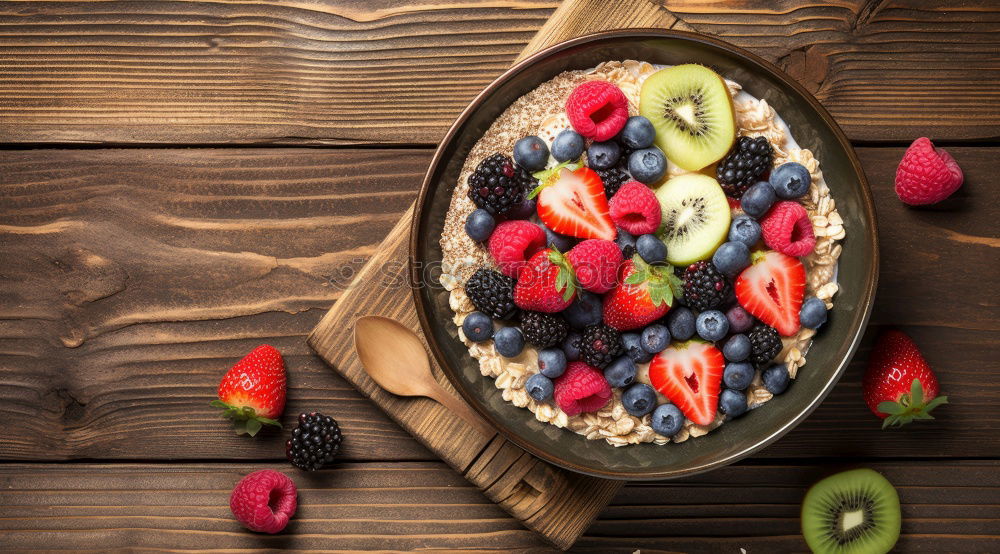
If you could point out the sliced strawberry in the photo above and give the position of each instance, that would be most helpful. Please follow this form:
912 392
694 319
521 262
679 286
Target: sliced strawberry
573 203
546 283
771 289
689 374
642 296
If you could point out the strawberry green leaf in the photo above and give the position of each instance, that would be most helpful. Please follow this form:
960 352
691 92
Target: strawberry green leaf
890 408
935 403
253 426
549 177
916 393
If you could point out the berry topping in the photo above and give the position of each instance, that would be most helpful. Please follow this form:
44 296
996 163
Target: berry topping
689 374
613 178
477 327
681 323
731 258
771 289
621 372
788 229
632 342
600 345
643 295
264 501
498 184
712 325
595 263
765 343
513 243
635 208
567 146
655 338
790 180
597 110
648 165
737 348
542 329
584 311
744 229
479 225
314 443
757 199
603 155
651 249
926 175
638 133
740 320
552 361
581 388
899 386
509 342
667 420
546 283
813 313
539 387
705 287
738 375
639 399
531 153
573 203
491 293
775 378
252 393
746 162
733 403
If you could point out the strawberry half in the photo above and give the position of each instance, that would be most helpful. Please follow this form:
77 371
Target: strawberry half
898 385
771 289
573 203
252 393
642 296
546 283
689 374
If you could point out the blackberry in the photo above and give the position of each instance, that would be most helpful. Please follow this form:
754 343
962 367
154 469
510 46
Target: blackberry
743 165
765 343
543 330
498 184
705 288
492 293
600 345
614 177
314 443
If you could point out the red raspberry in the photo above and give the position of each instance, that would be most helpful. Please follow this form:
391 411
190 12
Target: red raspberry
786 228
597 110
581 388
926 175
513 243
595 263
635 208
264 501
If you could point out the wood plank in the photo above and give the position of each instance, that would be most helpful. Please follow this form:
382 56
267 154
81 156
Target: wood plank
337 72
404 506
114 355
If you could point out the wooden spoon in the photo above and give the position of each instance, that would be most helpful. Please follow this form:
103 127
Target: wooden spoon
394 357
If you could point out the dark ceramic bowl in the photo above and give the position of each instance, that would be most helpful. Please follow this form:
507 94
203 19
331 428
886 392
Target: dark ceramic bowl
812 127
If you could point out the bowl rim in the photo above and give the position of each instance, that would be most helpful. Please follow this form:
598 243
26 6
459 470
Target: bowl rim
860 319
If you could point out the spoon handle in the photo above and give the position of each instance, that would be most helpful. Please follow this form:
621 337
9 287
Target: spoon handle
460 408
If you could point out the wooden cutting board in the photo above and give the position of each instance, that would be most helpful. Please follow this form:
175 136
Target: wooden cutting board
556 503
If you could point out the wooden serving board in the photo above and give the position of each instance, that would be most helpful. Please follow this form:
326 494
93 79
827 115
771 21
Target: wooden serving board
557 503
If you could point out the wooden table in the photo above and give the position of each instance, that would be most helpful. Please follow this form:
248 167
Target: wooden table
185 180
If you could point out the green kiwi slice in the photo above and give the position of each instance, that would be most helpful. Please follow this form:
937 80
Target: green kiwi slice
690 107
854 512
695 217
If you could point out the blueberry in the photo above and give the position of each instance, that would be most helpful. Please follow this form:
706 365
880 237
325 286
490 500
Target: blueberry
655 338
667 420
790 180
584 311
740 320
647 165
651 249
637 133
712 325
524 210
479 225
813 313
731 258
744 229
732 403
775 378
571 346
681 323
737 348
737 375
567 146
552 362
477 326
531 153
633 348
539 387
626 243
509 341
621 372
639 399
561 242
603 155
758 199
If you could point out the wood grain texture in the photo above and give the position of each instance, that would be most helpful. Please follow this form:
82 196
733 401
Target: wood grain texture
345 72
134 278
426 505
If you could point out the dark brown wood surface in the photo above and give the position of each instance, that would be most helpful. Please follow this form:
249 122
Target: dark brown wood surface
130 279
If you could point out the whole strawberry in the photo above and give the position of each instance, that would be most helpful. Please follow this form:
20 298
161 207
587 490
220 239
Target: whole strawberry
546 283
926 175
252 393
899 386
643 295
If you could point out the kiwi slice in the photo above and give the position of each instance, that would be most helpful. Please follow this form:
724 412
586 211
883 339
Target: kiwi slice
695 217
854 512
690 107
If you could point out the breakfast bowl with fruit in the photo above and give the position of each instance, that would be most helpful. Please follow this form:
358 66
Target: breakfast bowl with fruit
629 246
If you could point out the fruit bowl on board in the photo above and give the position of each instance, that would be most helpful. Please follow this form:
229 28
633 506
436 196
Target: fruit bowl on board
829 354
